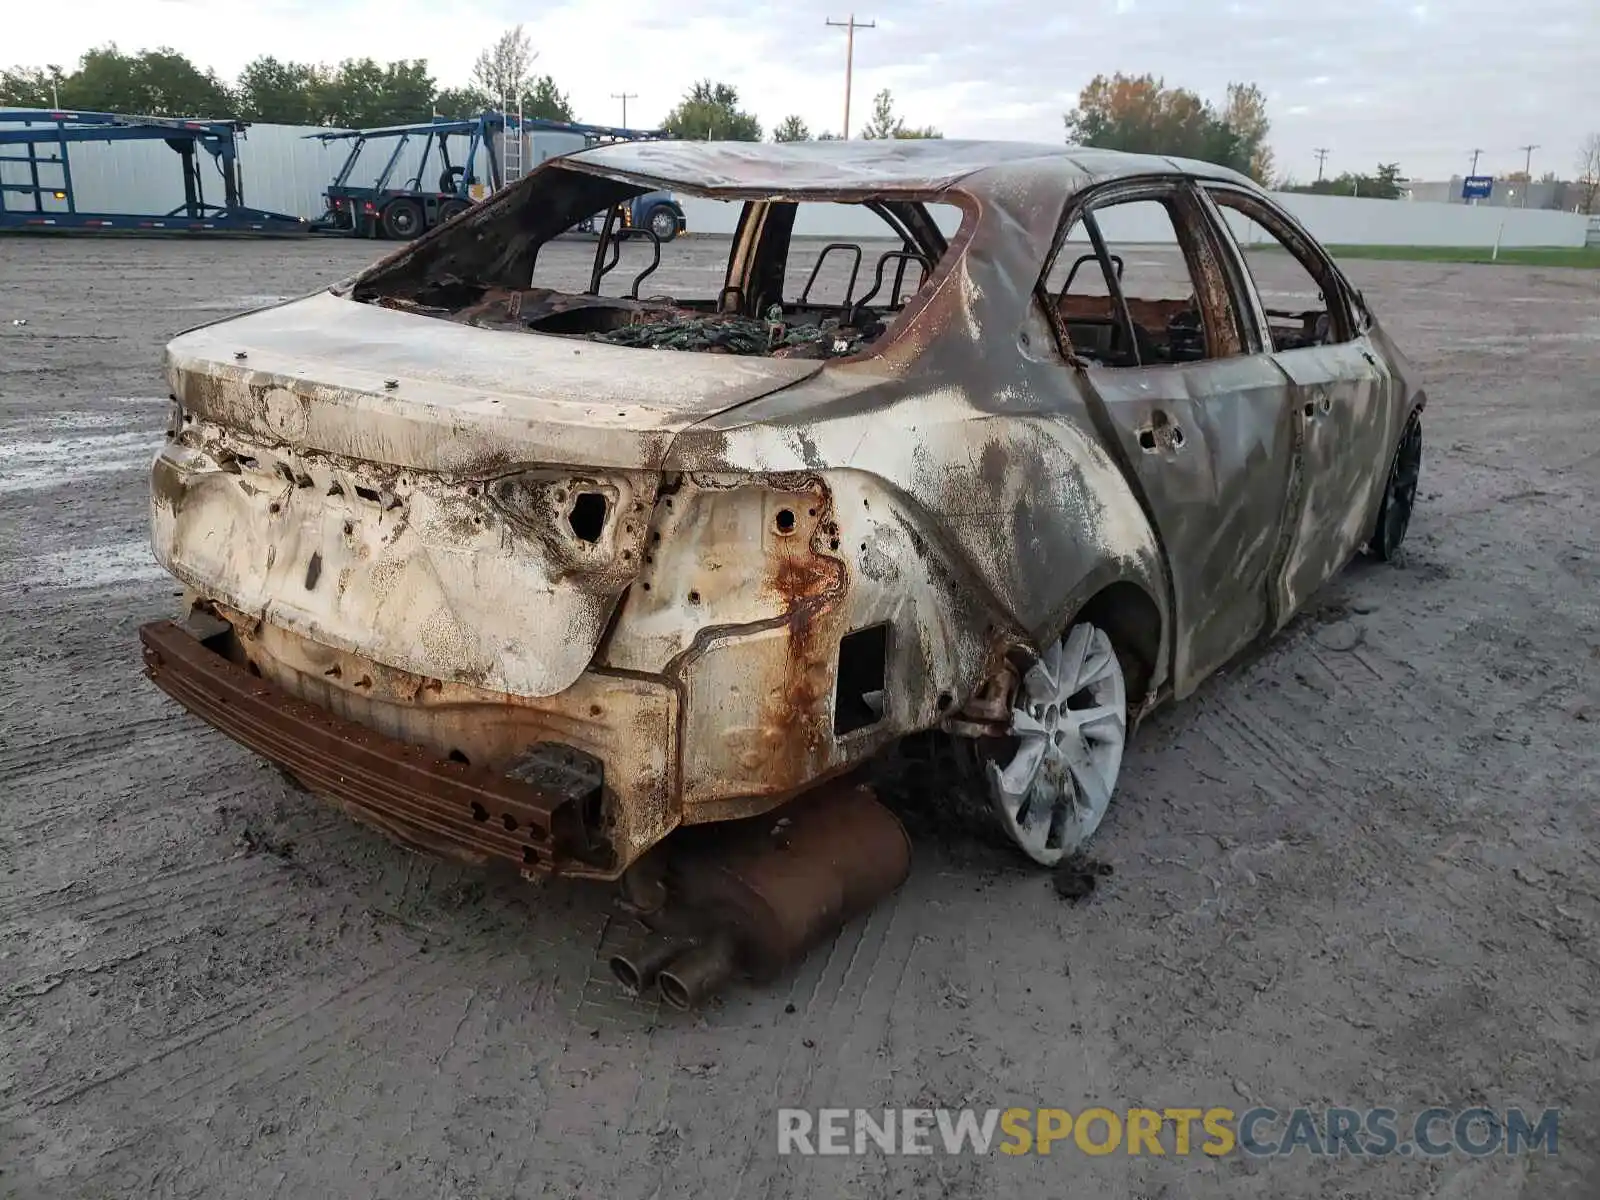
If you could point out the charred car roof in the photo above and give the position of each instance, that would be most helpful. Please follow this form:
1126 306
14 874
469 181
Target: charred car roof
1013 194
912 166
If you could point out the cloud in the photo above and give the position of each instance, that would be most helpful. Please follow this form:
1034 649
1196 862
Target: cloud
1373 80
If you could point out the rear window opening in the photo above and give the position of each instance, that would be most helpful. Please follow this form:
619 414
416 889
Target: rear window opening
797 279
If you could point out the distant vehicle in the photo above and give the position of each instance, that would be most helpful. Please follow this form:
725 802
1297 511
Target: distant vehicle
473 158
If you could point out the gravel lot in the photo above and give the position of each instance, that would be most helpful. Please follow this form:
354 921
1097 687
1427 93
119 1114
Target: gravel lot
1358 870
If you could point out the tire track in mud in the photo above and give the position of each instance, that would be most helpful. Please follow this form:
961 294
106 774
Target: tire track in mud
785 1075
112 905
872 970
78 749
601 1098
164 748
184 809
277 1034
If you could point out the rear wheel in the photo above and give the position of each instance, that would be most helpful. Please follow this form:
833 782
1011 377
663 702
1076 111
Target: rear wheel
1052 782
663 222
402 220
1399 494
450 209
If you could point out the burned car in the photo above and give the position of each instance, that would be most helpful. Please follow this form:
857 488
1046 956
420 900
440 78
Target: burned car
538 574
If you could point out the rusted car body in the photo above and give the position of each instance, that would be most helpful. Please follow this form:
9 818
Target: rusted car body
513 591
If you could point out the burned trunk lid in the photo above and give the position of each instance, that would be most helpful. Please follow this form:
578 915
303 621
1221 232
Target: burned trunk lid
371 383
459 503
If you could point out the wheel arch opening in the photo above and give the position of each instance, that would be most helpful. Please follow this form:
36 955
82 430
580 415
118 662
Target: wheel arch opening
1133 622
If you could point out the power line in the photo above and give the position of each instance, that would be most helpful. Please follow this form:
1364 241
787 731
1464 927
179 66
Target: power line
1321 153
850 28
624 97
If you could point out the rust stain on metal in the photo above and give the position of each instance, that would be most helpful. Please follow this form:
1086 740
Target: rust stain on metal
445 807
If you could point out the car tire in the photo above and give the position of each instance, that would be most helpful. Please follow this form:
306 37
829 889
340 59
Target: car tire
402 220
451 209
1052 780
1399 493
662 221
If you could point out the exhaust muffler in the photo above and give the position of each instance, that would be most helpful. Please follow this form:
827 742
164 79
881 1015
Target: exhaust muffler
753 896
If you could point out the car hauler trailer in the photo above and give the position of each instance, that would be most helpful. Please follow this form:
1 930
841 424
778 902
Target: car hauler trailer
36 187
427 172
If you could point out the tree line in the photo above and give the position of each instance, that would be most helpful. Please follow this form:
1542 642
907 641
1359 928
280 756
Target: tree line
361 93
356 93
1141 114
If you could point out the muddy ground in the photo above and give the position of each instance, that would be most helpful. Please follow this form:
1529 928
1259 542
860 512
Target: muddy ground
1358 870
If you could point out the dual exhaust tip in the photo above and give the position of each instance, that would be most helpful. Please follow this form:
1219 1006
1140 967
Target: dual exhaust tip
683 971
755 895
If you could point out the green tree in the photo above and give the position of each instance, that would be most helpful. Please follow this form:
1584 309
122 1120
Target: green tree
501 71
1589 173
460 103
287 93
791 129
1246 114
1382 184
362 94
710 111
157 83
29 87
544 99
548 101
885 123
1139 113
501 76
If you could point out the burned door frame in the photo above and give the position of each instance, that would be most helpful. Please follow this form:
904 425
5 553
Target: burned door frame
763 242
1205 445
1344 407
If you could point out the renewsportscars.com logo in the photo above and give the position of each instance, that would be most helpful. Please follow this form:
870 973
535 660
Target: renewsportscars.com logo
1179 1132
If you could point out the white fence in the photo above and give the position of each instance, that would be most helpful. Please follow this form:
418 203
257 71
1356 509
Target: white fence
1335 220
1347 221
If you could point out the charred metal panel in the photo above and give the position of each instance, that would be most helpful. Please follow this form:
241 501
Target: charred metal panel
442 806
1004 480
1213 445
449 579
754 587
385 386
1345 410
629 724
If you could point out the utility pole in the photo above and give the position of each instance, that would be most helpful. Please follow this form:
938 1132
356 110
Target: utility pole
1476 151
850 28
624 97
1527 170
1321 153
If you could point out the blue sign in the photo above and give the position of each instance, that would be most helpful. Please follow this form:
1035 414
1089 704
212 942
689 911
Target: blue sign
1477 187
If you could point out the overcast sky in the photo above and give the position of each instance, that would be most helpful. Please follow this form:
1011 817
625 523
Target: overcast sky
1374 81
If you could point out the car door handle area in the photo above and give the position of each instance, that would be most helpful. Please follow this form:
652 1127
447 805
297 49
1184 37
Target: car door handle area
1161 432
1318 404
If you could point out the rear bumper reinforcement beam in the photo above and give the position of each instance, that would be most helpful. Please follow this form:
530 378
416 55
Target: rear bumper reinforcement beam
467 813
